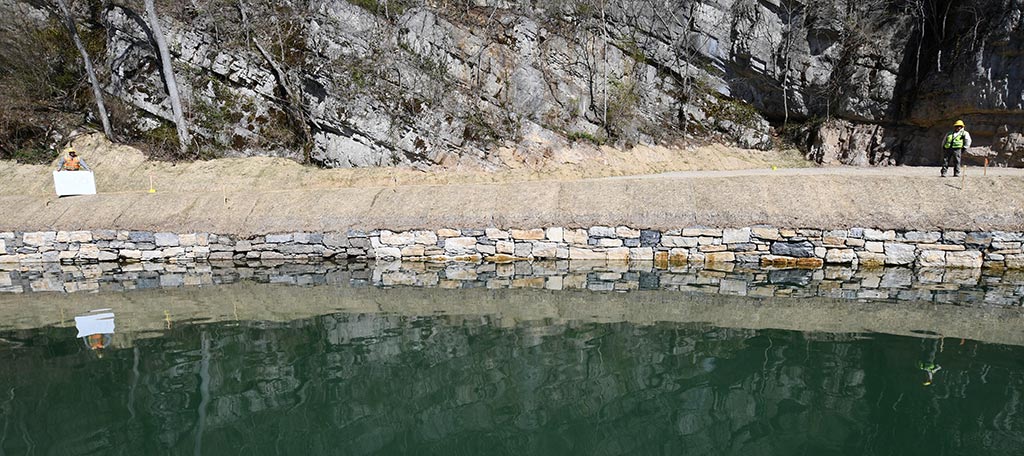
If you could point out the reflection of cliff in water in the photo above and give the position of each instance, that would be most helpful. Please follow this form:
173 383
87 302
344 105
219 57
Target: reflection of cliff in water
369 384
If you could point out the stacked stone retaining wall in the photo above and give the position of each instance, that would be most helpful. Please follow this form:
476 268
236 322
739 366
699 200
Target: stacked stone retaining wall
767 246
761 245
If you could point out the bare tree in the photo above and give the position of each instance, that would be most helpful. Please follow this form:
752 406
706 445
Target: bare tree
97 91
184 139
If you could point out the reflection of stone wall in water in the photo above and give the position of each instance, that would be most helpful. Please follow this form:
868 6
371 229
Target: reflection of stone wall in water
376 383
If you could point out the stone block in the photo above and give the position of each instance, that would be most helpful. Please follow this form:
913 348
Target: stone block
869 259
833 242
766 233
485 249
618 254
104 235
390 238
720 257
967 259
712 248
448 232
150 255
641 253
576 253
1005 236
709 240
80 236
840 256
650 238
922 237
535 234
678 241
701 231
736 236
792 262
576 237
8 259
874 246
425 237
460 246
414 250
39 238
3 246
130 254
279 238
336 240
802 249
545 250
555 234
601 231
505 247
931 258
299 249
242 246
188 239
523 249
88 252
172 252
609 242
899 254
106 255
272 256
308 238
943 247
141 236
999 245
626 232
166 240
978 239
787 233
496 234
842 234
878 235
1015 261
954 237
67 255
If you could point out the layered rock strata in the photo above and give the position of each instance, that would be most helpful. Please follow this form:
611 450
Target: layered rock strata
770 246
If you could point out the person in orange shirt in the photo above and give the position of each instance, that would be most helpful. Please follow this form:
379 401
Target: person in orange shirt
71 162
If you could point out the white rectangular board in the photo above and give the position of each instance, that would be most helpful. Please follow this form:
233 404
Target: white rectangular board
74 183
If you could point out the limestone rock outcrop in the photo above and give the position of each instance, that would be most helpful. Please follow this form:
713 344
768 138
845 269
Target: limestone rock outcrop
365 83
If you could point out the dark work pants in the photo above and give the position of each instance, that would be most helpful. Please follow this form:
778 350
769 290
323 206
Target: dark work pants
951 155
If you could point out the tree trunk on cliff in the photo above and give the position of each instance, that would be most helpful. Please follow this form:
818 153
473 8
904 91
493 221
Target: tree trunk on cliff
293 99
168 69
97 91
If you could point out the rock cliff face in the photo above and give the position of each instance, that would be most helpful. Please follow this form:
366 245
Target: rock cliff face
369 83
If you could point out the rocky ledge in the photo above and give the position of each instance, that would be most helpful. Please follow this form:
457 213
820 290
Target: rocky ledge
764 245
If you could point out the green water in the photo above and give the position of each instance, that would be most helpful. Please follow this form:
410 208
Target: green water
373 383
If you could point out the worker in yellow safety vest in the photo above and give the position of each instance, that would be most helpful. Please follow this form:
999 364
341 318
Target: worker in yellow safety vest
953 146
71 162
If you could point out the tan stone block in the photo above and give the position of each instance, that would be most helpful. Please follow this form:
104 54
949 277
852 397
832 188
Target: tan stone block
618 254
832 241
576 253
720 257
713 248
399 239
576 237
840 256
696 231
677 257
661 260
874 246
535 234
496 234
505 247
771 234
448 232
967 259
943 247
609 242
425 237
869 259
555 234
626 232
931 258
413 251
